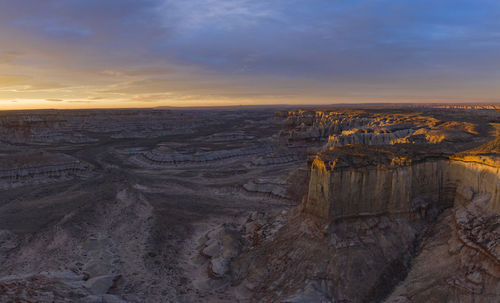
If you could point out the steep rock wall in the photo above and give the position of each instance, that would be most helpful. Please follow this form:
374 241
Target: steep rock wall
480 174
402 187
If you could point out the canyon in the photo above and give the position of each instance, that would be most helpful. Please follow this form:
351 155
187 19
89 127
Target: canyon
361 203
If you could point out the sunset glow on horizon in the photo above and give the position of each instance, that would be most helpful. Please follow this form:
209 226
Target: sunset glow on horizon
131 54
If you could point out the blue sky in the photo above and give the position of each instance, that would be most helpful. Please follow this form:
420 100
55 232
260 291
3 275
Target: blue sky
204 52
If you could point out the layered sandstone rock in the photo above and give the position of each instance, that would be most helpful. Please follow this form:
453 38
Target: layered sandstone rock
22 167
352 185
275 159
272 187
460 262
374 192
286 258
361 127
229 136
57 287
168 158
54 126
368 138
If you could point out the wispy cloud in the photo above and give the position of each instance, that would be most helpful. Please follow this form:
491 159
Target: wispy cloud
301 50
12 80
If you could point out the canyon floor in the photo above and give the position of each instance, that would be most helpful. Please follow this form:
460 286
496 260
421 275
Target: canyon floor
230 205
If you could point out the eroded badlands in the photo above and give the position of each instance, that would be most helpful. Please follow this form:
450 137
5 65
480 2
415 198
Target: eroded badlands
347 204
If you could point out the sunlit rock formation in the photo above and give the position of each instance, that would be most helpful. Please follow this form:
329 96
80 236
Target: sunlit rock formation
379 184
374 204
383 183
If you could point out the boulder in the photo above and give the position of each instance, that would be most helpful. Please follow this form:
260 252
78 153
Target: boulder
101 284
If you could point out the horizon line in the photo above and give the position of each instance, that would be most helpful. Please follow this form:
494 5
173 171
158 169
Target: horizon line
166 107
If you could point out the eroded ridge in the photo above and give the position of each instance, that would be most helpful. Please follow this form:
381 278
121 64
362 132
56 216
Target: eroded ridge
28 167
171 158
346 204
378 184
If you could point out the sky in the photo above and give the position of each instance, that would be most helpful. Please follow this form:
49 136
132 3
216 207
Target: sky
147 53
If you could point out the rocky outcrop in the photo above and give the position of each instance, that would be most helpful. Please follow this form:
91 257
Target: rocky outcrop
339 190
166 158
368 138
373 194
284 258
58 287
270 187
220 246
470 106
275 159
419 136
478 225
18 168
100 285
87 126
359 237
361 127
319 125
229 136
460 262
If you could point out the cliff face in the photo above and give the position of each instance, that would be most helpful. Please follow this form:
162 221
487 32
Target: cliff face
464 240
345 191
481 174
392 200
390 206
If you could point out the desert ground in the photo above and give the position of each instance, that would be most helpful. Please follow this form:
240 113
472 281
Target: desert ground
335 204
